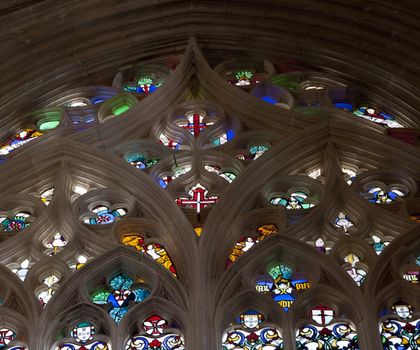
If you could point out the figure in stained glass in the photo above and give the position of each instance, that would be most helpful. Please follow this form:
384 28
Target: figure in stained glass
46 195
47 292
247 243
56 243
355 271
155 250
343 221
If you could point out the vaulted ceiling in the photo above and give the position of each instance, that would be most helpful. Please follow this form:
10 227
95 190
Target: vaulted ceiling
49 46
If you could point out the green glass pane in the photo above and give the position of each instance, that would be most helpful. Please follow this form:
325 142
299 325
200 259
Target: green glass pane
120 109
280 271
100 298
49 125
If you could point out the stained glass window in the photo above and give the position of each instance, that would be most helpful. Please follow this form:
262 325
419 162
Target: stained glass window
228 176
254 152
380 196
320 245
343 221
222 139
378 244
250 335
103 215
83 334
345 106
412 275
18 222
399 333
81 261
378 117
349 175
296 200
156 251
195 123
356 271
120 109
79 102
139 160
136 159
55 244
145 84
258 150
6 336
326 335
198 198
172 144
22 270
46 195
315 173
283 285
154 337
243 77
48 123
45 294
247 243
19 139
181 170
119 293
164 181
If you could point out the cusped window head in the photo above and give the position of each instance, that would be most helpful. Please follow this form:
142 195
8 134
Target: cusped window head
118 295
154 335
323 333
250 333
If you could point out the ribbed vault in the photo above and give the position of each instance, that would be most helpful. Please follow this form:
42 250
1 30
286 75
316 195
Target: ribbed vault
48 47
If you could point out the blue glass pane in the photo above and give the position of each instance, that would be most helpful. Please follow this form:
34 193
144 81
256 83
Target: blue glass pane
230 134
344 105
269 99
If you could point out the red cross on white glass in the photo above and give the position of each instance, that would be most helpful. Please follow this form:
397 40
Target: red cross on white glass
195 124
322 314
168 142
198 199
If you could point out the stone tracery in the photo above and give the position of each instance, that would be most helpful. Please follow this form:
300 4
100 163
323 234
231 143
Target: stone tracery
107 184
